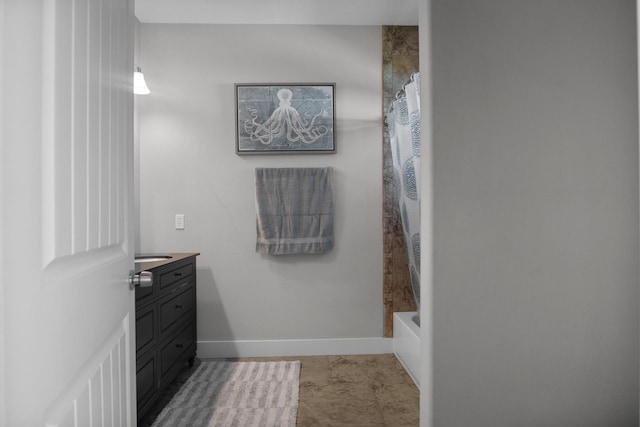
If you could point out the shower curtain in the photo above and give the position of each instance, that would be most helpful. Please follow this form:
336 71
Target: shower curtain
403 120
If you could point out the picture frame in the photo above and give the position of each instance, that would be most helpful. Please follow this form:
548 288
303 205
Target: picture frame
285 118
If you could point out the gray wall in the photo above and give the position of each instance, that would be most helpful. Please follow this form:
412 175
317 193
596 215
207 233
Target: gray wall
188 165
536 213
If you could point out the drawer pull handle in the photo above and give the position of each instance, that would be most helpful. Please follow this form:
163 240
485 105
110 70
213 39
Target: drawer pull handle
178 274
179 345
178 307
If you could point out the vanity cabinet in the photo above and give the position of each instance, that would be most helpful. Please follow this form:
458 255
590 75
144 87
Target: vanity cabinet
165 326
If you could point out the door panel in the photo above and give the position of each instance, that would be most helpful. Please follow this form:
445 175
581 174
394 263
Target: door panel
100 388
86 130
67 145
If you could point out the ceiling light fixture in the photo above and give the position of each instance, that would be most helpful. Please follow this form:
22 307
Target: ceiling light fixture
139 85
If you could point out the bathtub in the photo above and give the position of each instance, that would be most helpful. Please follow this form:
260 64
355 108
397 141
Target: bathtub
406 343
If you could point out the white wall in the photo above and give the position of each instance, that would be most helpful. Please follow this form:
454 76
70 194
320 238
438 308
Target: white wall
536 213
188 165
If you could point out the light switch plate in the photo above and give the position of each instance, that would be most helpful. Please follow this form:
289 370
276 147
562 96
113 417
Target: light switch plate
179 221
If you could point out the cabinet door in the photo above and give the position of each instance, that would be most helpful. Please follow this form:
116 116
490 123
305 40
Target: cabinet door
146 328
147 294
147 381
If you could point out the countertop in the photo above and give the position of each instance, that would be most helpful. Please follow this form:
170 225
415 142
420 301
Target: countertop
175 256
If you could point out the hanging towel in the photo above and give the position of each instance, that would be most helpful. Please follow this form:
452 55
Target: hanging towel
294 210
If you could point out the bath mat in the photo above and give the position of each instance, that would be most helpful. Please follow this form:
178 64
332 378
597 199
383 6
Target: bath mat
243 394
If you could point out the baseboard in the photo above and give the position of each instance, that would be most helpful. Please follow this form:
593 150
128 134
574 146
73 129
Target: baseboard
276 348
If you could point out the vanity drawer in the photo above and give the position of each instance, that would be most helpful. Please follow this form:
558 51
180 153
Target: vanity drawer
146 328
175 276
174 306
176 351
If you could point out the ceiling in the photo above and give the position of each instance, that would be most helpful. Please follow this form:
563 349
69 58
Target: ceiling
300 12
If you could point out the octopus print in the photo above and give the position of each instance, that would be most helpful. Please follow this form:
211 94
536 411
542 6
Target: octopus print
285 122
277 118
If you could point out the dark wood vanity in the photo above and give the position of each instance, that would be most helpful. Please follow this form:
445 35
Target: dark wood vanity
165 325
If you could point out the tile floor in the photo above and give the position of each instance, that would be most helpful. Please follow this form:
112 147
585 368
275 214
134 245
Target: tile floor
344 391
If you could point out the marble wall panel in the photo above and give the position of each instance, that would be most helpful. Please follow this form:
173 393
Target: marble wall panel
400 59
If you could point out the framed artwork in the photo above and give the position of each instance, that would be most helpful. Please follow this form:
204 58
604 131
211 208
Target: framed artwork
285 118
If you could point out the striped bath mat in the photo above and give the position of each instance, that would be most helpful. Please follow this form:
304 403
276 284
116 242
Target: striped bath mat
225 394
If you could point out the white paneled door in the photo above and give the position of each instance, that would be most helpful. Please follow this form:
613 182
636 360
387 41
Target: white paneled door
66 179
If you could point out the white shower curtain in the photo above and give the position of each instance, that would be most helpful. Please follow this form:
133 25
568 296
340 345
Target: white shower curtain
403 120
